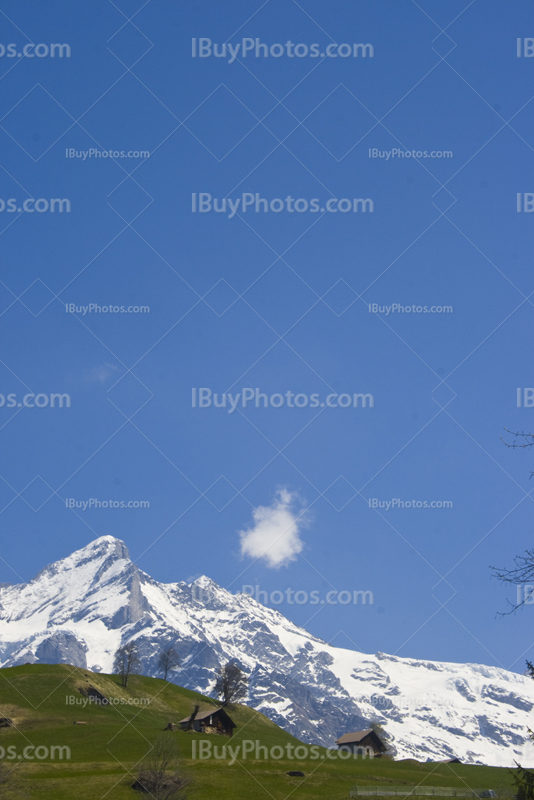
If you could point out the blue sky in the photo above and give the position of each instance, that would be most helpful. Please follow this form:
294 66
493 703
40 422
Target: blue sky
275 300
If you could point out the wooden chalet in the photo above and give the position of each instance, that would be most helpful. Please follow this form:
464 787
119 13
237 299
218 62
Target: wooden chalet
214 720
365 743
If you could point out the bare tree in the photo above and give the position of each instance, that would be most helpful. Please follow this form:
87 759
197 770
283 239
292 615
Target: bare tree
168 660
523 571
524 782
385 737
521 441
231 684
378 728
524 779
159 774
126 661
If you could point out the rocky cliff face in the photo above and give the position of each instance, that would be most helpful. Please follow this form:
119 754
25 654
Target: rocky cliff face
81 609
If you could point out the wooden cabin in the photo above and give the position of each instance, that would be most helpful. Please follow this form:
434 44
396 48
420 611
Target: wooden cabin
214 720
365 743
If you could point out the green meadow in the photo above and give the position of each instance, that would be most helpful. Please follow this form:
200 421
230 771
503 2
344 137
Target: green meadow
52 758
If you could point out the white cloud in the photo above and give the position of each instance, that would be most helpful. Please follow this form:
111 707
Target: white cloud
275 535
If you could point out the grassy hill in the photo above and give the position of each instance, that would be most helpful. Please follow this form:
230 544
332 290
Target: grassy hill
105 752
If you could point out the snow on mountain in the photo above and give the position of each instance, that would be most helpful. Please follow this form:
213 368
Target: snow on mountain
82 608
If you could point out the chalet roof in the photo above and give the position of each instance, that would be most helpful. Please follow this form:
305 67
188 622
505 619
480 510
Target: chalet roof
210 712
356 736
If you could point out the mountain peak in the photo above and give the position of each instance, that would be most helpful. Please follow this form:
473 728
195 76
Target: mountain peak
205 582
104 548
109 544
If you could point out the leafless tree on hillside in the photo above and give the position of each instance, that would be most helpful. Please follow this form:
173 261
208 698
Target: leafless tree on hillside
159 775
126 661
168 660
231 684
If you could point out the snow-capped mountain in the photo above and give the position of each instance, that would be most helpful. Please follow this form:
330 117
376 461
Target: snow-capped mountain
82 608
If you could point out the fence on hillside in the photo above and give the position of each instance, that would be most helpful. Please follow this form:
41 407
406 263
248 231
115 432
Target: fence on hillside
423 791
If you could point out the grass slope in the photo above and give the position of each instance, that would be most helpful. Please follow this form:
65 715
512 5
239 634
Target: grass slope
105 752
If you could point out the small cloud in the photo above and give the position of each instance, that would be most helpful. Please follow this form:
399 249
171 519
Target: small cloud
101 373
275 536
